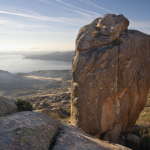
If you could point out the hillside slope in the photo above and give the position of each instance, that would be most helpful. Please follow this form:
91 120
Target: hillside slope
58 56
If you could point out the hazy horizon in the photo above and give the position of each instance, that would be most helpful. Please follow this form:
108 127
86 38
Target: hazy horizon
31 52
53 25
20 64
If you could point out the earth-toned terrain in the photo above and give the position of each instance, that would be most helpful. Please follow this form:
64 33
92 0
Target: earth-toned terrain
110 83
34 84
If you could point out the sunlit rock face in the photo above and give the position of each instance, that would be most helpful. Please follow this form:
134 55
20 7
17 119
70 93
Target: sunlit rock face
111 77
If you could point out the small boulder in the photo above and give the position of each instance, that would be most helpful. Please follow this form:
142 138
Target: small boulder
133 139
112 24
7 106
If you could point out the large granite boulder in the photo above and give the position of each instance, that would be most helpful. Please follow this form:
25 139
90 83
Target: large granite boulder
111 77
37 131
7 106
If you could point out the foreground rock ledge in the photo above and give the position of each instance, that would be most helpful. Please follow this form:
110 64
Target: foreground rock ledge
110 77
36 131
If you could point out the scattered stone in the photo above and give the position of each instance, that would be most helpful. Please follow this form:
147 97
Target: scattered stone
133 139
50 101
65 102
120 141
136 128
44 103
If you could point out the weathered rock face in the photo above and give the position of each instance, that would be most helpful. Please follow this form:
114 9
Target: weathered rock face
27 131
7 106
37 131
110 77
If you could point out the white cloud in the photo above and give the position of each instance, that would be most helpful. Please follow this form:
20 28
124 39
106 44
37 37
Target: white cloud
39 17
94 13
143 26
90 3
81 12
34 32
13 24
34 23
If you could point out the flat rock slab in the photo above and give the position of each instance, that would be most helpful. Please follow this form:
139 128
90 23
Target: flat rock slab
37 131
27 131
71 138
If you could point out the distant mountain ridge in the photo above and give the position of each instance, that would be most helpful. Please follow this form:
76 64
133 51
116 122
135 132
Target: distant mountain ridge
57 56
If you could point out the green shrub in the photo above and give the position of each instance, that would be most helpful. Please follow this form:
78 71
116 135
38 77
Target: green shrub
24 105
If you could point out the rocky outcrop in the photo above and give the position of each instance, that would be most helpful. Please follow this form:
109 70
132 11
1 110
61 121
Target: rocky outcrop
110 77
53 111
61 100
32 131
27 131
101 31
7 106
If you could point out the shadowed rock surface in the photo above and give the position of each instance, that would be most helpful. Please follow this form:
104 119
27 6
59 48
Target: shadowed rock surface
37 131
27 131
110 77
7 106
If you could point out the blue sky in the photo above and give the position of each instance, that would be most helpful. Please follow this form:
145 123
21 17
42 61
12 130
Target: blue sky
50 25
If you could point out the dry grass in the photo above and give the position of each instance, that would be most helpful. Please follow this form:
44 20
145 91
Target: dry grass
67 120
144 118
55 116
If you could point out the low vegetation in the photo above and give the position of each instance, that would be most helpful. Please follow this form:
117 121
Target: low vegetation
144 122
24 105
55 116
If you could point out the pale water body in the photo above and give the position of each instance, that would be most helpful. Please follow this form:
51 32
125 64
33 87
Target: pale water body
17 63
